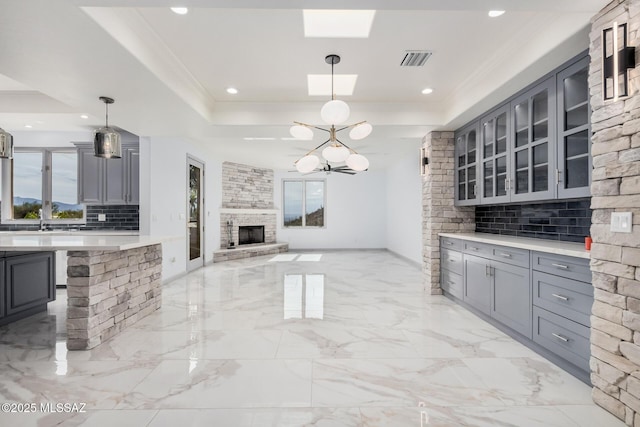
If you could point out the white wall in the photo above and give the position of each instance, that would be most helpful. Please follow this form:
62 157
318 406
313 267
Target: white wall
355 213
163 204
404 208
49 139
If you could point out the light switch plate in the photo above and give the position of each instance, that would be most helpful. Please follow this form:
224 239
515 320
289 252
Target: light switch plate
102 217
621 222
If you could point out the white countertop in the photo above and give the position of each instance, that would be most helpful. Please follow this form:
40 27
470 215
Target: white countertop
540 245
76 241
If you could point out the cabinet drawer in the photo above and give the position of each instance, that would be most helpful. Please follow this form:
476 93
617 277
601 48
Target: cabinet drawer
451 260
449 243
566 297
452 283
479 249
509 255
561 336
561 265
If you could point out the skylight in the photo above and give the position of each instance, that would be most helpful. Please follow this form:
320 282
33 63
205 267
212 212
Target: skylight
320 84
338 23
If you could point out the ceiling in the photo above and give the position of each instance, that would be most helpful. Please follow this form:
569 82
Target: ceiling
169 73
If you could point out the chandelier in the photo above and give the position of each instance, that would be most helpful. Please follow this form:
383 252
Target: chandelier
334 112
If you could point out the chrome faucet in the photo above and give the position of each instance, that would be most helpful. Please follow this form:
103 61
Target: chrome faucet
41 218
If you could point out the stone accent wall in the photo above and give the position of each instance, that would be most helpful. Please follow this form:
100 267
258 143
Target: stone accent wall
439 215
615 257
246 187
247 199
242 219
108 291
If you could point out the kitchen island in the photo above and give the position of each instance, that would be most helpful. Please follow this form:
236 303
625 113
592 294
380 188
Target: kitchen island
113 280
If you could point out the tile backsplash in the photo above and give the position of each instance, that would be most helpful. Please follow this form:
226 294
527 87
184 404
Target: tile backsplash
118 217
568 220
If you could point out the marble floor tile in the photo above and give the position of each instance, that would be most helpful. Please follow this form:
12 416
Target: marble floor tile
340 338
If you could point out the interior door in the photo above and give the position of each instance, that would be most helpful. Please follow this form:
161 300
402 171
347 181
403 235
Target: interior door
195 210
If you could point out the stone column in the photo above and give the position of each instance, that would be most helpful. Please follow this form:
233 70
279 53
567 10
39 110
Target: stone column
615 257
439 215
109 290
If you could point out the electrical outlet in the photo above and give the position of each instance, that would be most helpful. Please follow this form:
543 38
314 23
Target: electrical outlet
102 217
621 222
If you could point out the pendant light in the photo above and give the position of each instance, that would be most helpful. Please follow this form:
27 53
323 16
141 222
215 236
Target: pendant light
106 140
6 145
334 112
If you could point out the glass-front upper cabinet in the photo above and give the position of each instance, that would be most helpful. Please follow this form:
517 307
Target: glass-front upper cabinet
466 152
533 120
494 164
574 131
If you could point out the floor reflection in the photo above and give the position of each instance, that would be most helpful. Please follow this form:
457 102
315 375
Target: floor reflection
303 296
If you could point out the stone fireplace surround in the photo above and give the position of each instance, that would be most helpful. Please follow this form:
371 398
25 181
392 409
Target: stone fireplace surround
247 199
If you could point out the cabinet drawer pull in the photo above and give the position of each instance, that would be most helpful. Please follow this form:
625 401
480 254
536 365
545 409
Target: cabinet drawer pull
448 243
473 248
451 282
562 266
505 255
452 260
562 297
560 337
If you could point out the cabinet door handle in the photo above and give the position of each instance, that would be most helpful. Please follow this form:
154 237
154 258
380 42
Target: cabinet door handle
562 266
505 255
475 188
560 337
507 184
562 297
487 270
557 176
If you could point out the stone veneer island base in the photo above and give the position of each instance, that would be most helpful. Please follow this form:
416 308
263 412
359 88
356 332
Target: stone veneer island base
108 291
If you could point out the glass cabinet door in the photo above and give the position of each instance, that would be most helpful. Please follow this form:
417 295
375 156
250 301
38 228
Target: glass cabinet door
533 119
466 154
574 131
494 133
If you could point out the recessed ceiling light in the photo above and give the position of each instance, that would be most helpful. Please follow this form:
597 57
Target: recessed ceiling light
84 116
427 91
258 138
28 126
495 13
338 23
232 90
320 84
180 10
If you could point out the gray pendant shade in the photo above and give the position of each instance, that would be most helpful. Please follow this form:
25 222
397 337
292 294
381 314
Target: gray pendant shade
6 145
106 141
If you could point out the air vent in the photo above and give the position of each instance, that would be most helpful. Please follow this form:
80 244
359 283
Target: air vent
415 58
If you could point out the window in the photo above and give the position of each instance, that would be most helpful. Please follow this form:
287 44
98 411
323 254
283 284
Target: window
37 175
303 203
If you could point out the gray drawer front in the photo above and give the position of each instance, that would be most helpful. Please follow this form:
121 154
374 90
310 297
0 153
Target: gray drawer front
449 243
568 298
479 249
509 255
561 336
452 283
560 265
451 260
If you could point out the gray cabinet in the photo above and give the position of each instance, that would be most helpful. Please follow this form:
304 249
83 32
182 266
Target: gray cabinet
466 165
543 297
27 284
495 167
574 131
535 146
108 181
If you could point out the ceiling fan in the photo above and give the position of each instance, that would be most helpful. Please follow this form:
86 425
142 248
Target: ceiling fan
326 167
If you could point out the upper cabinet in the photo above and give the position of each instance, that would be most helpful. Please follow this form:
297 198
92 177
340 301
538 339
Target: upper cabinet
574 131
534 147
466 191
494 132
532 157
108 181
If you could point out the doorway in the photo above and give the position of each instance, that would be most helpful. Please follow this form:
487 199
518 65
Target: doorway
195 210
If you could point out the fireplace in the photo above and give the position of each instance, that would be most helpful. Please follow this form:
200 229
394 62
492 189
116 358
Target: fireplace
249 234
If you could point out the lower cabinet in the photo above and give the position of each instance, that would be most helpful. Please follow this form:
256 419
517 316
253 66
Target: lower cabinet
27 284
545 298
